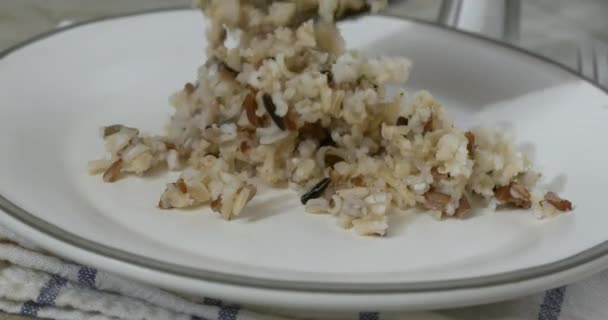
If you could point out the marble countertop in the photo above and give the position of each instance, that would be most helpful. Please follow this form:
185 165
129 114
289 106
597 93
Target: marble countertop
550 27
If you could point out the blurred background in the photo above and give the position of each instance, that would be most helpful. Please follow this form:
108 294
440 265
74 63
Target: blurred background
572 32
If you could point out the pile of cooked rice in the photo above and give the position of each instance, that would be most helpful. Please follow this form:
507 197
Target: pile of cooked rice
280 100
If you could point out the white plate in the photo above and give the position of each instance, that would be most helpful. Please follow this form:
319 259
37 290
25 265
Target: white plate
56 92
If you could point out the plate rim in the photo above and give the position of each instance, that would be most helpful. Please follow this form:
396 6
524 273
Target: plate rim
64 236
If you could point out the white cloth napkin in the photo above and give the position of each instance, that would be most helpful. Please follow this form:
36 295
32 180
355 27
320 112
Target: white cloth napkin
37 284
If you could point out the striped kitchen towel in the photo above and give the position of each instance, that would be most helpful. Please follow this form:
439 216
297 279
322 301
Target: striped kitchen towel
36 284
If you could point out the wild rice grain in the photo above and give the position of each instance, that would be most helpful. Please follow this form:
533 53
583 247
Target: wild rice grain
189 88
271 108
251 106
330 77
110 130
559 203
471 143
181 185
437 200
316 191
113 172
216 205
402 121
226 72
463 208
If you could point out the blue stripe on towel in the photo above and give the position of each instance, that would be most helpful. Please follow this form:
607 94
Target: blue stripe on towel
30 308
47 296
228 313
369 316
50 291
551 307
87 277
